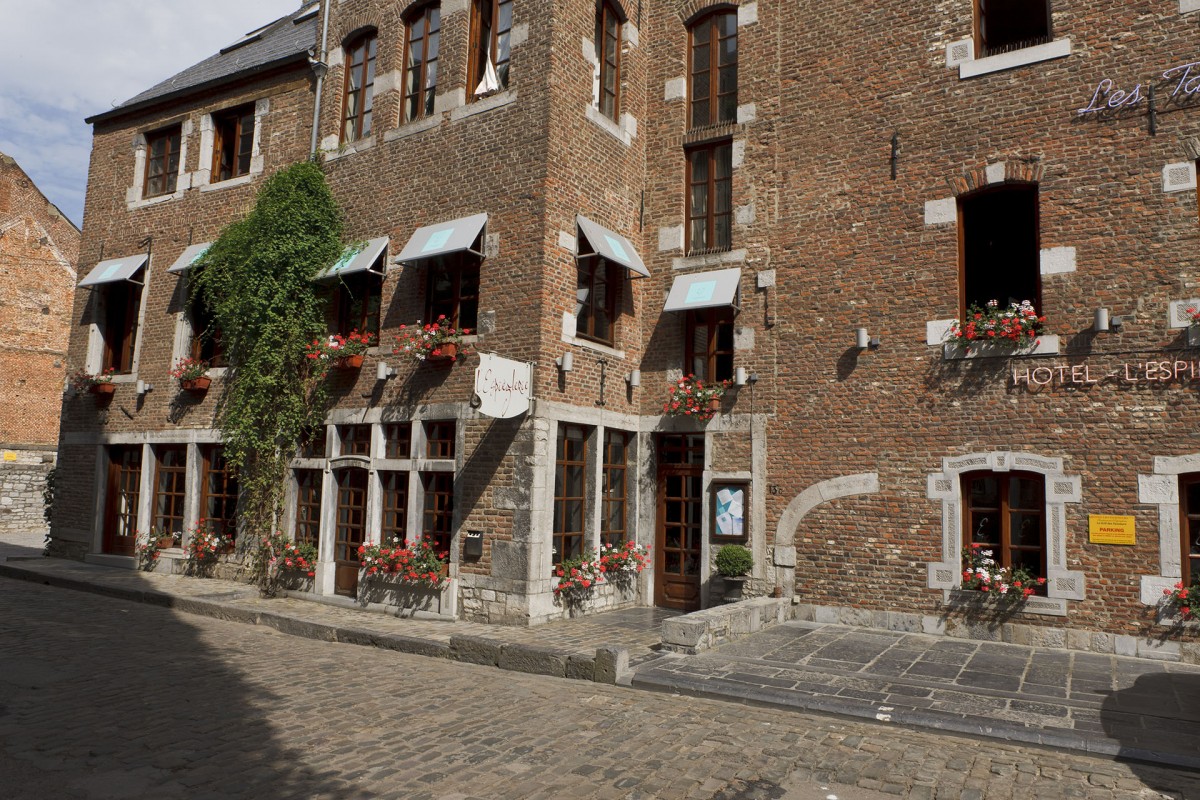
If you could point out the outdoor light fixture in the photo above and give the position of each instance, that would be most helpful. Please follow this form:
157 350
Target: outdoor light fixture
383 371
1104 323
740 377
863 339
143 387
566 362
634 378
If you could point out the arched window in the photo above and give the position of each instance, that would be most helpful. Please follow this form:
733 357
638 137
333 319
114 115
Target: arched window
357 99
1000 246
608 58
713 69
421 60
487 62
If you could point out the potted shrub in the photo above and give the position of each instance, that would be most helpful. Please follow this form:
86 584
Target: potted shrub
192 374
435 341
1010 329
344 352
734 563
100 383
690 397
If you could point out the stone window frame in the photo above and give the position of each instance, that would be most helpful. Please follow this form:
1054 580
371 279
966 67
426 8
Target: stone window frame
363 38
962 53
1062 584
203 175
183 345
708 17
134 198
624 128
96 344
1161 488
419 14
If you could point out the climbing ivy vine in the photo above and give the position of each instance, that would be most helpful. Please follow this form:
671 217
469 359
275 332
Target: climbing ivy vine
257 282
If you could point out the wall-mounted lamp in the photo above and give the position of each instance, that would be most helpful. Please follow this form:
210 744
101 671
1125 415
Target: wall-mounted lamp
863 339
566 362
383 371
740 378
143 387
634 378
1104 323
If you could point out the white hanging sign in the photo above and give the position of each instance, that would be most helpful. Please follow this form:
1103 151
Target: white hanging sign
503 387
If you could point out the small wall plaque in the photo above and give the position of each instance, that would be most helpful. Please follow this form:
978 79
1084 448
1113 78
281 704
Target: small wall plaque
1109 529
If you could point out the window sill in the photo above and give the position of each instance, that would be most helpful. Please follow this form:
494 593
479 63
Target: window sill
588 344
240 180
1059 48
413 128
484 104
151 201
341 151
969 600
622 132
1048 345
710 259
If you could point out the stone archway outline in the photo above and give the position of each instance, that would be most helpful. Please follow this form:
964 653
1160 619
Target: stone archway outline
1061 583
1161 488
784 555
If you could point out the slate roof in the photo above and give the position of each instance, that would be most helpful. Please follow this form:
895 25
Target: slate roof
284 40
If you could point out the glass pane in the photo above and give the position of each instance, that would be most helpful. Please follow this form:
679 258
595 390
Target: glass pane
724 199
573 477
1194 539
432 45
727 54
699 200
727 108
674 512
700 86
727 24
1030 560
723 161
504 17
985 492
700 113
574 514
700 60
431 75
502 48
1024 493
985 529
674 486
1026 529
672 563
724 233
1191 495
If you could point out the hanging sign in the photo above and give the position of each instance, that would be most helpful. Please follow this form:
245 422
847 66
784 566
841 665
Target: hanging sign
503 388
1109 529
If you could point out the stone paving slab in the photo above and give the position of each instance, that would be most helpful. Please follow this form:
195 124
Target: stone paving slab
1108 705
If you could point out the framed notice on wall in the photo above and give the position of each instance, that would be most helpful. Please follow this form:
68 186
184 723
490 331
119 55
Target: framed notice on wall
730 503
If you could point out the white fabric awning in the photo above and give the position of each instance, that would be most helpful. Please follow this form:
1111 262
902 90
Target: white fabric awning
357 258
705 290
602 242
115 269
444 238
189 256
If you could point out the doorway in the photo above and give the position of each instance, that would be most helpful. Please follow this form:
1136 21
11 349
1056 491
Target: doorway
680 521
121 502
350 529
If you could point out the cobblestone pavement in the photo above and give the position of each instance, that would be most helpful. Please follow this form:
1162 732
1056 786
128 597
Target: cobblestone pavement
1087 701
102 698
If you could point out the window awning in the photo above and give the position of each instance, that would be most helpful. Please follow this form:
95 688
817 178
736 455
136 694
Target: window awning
189 257
115 269
608 245
455 236
705 290
357 258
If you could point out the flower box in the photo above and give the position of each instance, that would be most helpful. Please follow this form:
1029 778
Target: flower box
103 389
388 590
196 384
447 352
349 362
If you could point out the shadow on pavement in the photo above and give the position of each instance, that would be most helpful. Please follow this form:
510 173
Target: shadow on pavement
102 698
1159 714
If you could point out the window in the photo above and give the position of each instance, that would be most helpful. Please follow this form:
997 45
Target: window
1005 513
1000 249
1189 495
1005 25
395 506
598 299
162 161
397 440
357 98
710 198
206 335
359 300
438 516
614 529
308 507
713 74
454 290
439 439
312 444
421 61
170 478
708 351
356 439
608 57
491 25
218 492
570 466
120 301
233 143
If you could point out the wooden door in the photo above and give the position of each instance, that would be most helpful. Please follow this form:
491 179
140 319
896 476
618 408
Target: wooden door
680 521
121 501
350 528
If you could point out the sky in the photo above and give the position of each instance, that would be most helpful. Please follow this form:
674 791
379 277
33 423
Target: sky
63 60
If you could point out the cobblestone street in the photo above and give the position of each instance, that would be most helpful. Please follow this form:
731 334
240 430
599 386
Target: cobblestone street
101 698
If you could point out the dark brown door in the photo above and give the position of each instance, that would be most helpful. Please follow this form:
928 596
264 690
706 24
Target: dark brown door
121 503
350 529
680 505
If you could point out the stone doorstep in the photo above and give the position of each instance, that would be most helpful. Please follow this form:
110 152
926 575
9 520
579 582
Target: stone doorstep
704 630
608 665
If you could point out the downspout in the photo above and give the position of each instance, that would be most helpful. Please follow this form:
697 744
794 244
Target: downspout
320 68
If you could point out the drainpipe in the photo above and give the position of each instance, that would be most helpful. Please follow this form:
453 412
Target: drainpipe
320 67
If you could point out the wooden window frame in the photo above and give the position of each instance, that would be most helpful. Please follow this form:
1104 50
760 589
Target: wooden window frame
397 440
1187 516
714 222
418 74
214 469
393 486
437 512
175 494
965 230
609 103
306 527
440 435
714 319
351 440
564 540
485 45
1004 558
172 136
589 271
122 310
358 126
206 335
614 476
359 304
460 310
984 49
711 22
239 142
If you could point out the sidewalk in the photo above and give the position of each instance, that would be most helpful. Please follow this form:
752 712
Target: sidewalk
1114 706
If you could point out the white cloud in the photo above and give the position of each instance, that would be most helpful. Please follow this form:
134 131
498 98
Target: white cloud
71 59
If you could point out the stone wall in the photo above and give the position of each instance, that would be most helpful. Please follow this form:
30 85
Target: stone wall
22 483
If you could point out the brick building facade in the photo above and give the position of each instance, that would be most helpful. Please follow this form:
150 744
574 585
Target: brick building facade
782 177
39 249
